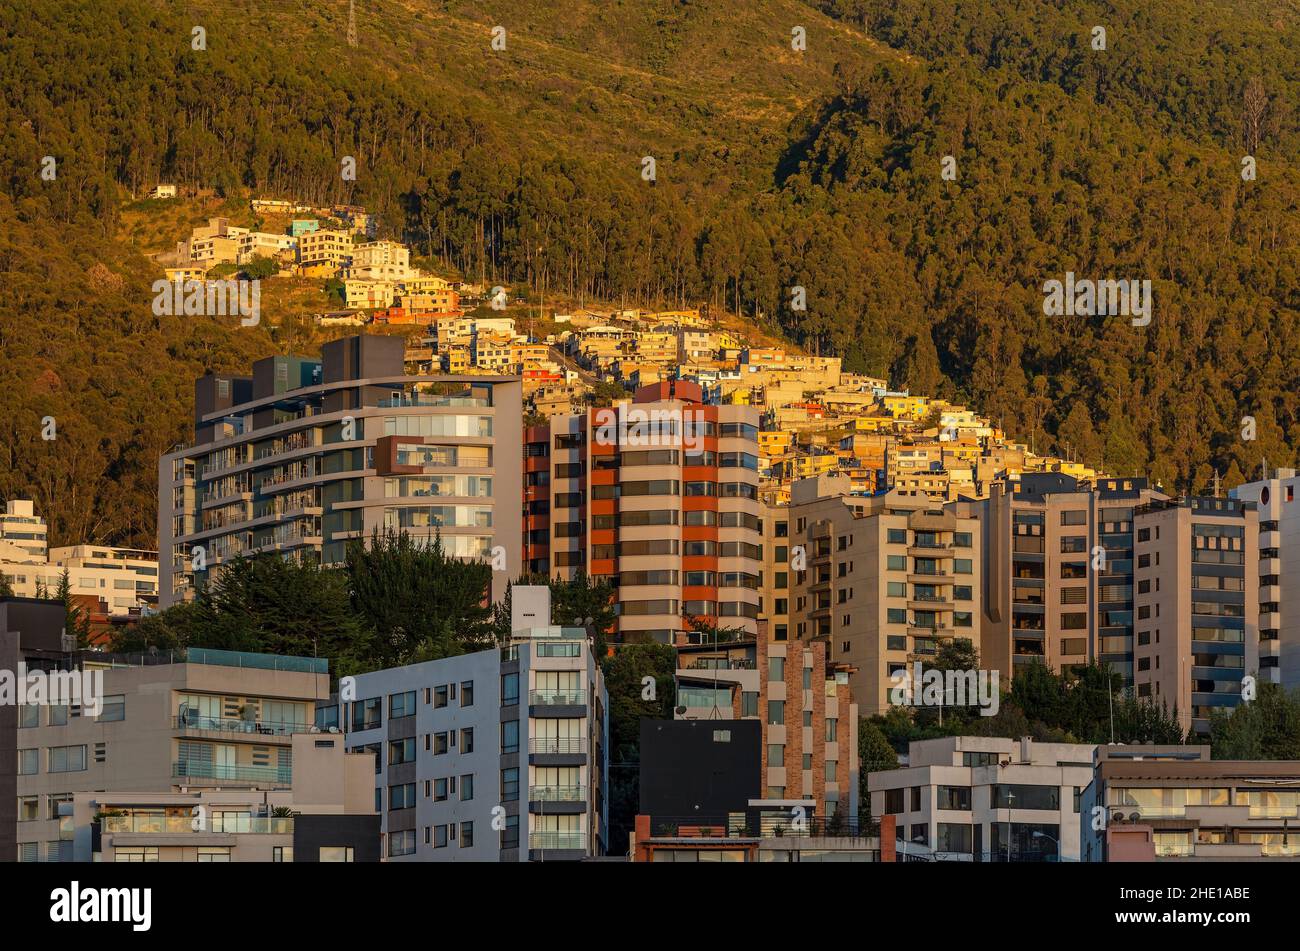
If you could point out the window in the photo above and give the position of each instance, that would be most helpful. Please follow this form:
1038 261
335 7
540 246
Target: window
1073 544
29 808
466 835
894 801
509 690
367 714
953 797
439 837
440 744
67 759
440 696
113 708
282 853
29 716
401 796
467 787
962 566
401 751
510 834
467 740
775 713
29 762
510 784
399 843
401 705
896 589
775 754
896 563
776 668
467 693
510 736
440 790
1075 517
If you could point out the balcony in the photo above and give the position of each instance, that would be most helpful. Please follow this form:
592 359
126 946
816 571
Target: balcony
557 698
553 846
213 772
185 825
198 724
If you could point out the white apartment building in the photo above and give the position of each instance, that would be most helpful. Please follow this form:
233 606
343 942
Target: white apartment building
987 799
1279 574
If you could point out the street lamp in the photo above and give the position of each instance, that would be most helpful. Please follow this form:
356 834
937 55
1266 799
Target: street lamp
1055 840
1011 798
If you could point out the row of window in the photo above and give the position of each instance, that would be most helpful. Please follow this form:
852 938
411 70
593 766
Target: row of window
29 714
368 714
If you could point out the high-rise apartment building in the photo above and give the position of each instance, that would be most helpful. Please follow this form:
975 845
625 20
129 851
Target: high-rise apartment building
1058 582
498 755
882 579
1279 574
23 529
1196 595
660 496
307 455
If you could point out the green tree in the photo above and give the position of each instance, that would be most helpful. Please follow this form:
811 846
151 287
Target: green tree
874 755
1267 727
76 620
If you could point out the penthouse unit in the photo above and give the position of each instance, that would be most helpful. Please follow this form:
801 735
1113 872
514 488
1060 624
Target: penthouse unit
325 815
1174 803
881 578
1279 574
306 455
1059 582
660 496
1197 602
987 799
516 734
809 749
169 722
22 528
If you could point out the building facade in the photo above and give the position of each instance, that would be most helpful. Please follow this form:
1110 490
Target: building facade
306 455
1279 575
498 755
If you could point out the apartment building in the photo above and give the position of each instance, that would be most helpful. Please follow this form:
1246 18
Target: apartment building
881 578
304 456
498 755
1059 579
380 261
170 722
987 799
23 529
660 496
1197 604
261 244
330 250
1174 803
1279 575
325 815
809 749
125 579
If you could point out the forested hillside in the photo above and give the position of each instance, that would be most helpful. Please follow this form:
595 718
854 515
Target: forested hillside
774 168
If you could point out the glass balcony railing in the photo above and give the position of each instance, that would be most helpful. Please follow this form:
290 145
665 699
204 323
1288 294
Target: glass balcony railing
192 769
566 697
558 840
180 825
556 793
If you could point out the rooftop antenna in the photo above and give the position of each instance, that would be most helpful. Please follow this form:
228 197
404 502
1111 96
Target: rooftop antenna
352 23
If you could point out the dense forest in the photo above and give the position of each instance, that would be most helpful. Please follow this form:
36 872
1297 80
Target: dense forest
774 168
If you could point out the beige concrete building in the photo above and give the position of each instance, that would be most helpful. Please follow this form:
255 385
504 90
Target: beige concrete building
882 578
326 815
1058 584
198 719
1197 604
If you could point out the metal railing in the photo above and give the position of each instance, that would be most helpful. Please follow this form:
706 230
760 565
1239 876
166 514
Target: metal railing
236 725
557 697
557 744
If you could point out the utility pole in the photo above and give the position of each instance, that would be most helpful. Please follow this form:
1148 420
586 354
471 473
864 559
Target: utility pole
352 23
